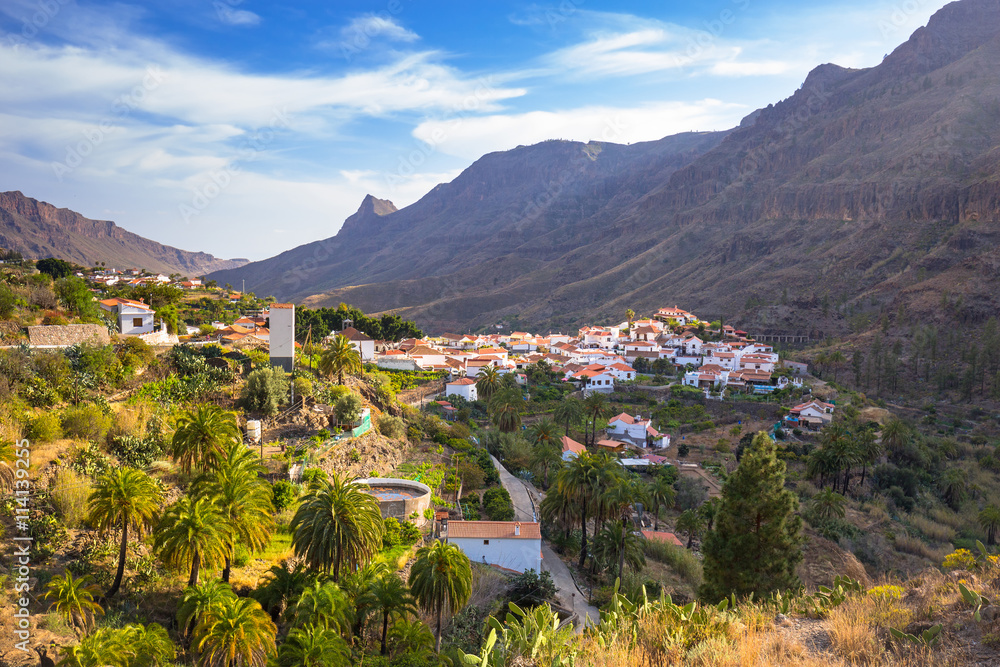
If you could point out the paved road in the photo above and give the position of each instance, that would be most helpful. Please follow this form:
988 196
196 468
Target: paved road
524 510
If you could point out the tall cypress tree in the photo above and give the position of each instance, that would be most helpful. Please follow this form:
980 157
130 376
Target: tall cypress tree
756 541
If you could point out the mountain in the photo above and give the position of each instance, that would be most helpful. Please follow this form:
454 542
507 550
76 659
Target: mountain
38 230
868 192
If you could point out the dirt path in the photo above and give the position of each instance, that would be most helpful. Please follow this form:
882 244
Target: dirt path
526 498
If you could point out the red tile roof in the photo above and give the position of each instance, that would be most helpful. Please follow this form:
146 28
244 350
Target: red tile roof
661 536
529 530
463 381
571 445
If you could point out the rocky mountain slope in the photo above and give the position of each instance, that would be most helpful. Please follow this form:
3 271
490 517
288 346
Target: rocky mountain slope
874 188
38 230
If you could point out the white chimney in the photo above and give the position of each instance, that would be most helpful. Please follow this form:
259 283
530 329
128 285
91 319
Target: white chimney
517 529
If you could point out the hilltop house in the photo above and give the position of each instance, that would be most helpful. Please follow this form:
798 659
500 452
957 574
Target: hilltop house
815 413
466 388
511 545
637 431
133 317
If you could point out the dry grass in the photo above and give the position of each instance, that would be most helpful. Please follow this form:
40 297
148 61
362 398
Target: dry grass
932 530
852 633
947 517
69 492
917 547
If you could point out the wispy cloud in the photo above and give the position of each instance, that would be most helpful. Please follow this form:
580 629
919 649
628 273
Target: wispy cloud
235 17
472 137
360 33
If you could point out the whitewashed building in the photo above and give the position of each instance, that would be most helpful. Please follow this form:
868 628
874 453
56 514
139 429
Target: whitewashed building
133 317
466 388
512 545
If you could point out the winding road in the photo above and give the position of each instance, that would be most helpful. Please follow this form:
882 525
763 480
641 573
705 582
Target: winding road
570 596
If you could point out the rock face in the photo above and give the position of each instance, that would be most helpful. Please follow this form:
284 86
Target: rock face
38 230
874 188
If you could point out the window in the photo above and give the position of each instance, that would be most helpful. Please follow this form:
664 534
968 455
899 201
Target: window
485 542
137 321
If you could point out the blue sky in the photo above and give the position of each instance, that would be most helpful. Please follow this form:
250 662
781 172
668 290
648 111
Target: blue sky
244 128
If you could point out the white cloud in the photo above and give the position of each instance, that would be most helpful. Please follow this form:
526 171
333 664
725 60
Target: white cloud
760 68
402 187
472 137
358 35
235 17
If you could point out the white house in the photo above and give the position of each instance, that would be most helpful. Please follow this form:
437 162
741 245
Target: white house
359 341
595 378
133 317
571 448
621 371
813 413
511 545
763 363
466 388
427 357
636 430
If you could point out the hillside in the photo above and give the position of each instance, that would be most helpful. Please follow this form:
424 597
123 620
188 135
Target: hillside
37 230
878 185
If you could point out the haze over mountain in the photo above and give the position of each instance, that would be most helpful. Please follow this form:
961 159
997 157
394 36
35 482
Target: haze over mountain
871 186
37 230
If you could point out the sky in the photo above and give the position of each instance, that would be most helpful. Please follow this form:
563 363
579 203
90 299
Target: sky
244 128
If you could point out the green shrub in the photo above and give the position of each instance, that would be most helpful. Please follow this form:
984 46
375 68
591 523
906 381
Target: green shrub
311 475
391 427
135 452
348 408
45 427
266 389
497 504
471 474
682 561
399 533
85 422
283 495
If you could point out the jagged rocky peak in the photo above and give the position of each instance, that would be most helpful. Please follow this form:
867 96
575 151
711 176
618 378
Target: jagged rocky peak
374 205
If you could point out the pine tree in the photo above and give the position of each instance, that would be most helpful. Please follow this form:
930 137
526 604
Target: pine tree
756 541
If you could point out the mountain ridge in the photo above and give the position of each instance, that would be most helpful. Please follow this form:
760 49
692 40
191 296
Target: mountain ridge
38 229
866 188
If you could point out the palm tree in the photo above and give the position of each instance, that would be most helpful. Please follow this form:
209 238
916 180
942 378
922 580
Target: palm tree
836 360
620 498
324 605
630 316
412 638
440 577
337 524
828 504
283 584
235 633
244 499
487 383
124 498
73 599
547 452
314 646
617 546
989 519
869 449
895 436
393 600
559 507
954 485
339 358
505 409
130 646
199 600
708 511
568 412
662 494
202 436
595 407
357 586
578 483
192 531
690 522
